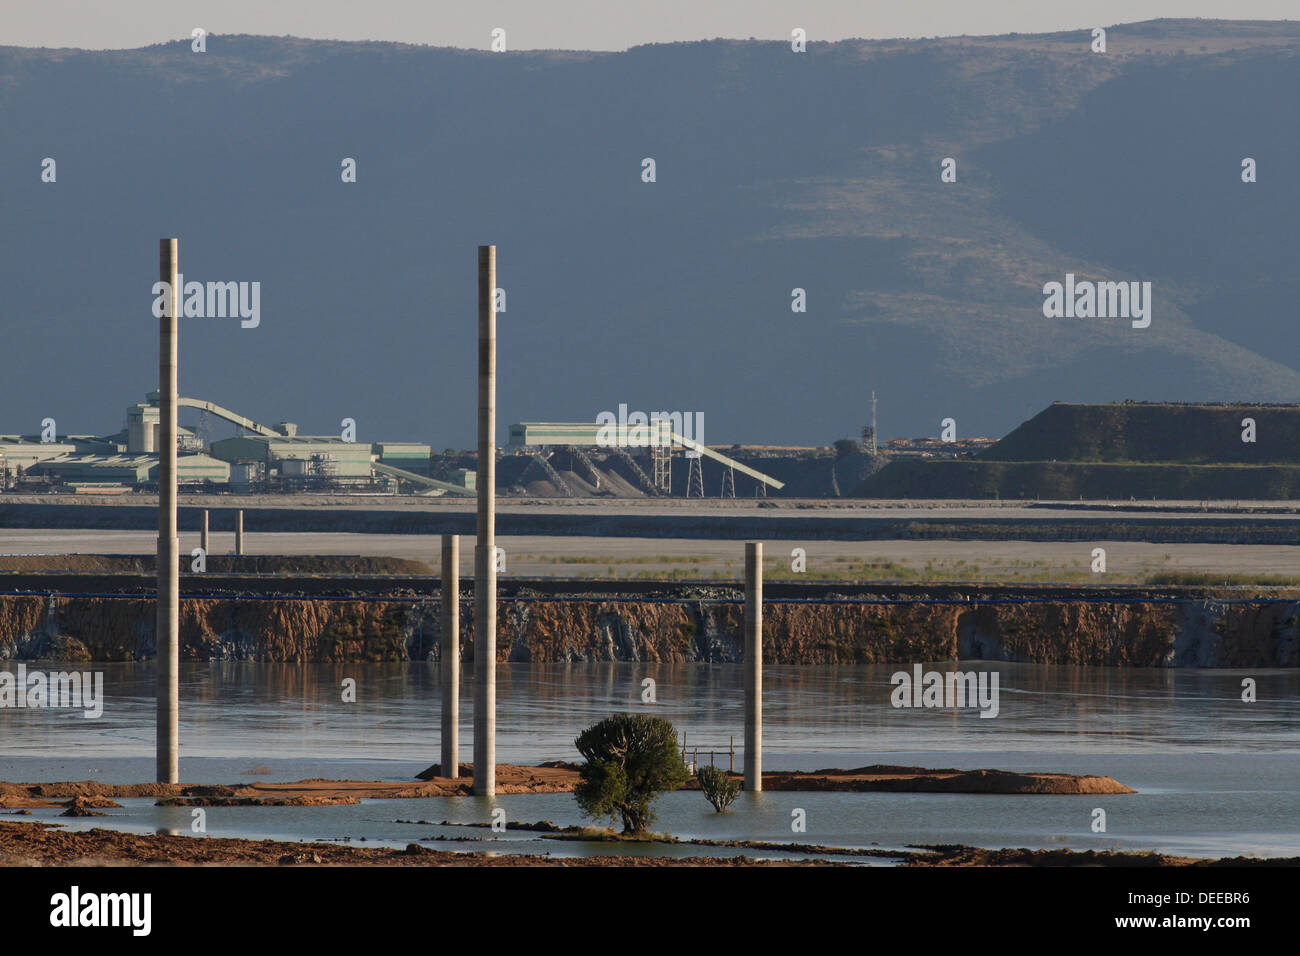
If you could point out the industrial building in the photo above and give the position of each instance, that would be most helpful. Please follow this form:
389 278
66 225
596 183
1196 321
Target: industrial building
267 458
567 459
543 439
19 451
130 469
407 455
298 455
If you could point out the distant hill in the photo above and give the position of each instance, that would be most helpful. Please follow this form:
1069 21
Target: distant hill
1133 432
775 170
1119 451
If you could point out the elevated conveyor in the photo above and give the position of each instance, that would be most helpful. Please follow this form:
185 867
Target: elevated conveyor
421 480
587 433
245 423
708 452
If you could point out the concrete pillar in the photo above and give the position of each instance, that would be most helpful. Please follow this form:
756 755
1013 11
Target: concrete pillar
450 655
239 531
203 533
485 574
169 544
754 666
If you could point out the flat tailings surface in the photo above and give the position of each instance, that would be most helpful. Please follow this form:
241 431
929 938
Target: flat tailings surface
777 523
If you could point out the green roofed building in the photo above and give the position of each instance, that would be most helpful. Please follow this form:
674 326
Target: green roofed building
21 452
285 453
407 455
130 469
554 433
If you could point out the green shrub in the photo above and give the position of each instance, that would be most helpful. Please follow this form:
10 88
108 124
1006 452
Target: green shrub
630 759
718 786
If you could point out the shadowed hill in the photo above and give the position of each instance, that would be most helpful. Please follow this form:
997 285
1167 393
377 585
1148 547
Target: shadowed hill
1133 432
1117 451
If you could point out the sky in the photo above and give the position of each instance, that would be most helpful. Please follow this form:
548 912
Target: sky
581 24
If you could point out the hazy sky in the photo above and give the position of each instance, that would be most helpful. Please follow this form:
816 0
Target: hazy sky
580 24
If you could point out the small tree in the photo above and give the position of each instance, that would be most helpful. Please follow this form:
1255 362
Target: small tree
630 759
845 447
718 787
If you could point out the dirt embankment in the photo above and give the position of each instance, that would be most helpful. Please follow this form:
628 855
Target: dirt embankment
511 779
1205 631
41 844
554 777
888 779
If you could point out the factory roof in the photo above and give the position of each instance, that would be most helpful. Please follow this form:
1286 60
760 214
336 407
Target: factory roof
297 440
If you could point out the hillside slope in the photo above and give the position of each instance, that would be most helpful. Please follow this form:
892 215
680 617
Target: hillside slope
1131 432
774 171
1117 451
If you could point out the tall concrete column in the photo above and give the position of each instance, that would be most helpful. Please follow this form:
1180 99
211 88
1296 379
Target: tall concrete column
169 544
485 575
239 531
203 533
754 666
450 655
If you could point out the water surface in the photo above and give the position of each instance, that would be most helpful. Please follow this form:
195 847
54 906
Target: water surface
1216 776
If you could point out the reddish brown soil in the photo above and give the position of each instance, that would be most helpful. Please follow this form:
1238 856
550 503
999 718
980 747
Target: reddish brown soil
510 779
885 778
40 844
975 856
554 777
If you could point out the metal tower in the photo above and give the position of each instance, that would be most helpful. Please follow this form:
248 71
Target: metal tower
873 424
661 457
695 478
728 483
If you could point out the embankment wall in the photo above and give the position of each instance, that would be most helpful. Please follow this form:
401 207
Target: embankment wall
1207 632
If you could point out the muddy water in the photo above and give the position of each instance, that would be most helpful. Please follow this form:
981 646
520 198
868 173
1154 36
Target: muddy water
1216 776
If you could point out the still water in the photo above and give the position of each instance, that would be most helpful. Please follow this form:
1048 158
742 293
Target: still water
1215 776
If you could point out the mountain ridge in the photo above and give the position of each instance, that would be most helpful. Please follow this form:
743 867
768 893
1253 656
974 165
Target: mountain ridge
775 171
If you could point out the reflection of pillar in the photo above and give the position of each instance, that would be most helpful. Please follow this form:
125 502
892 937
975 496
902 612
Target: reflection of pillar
239 531
450 655
203 533
485 575
169 545
754 666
